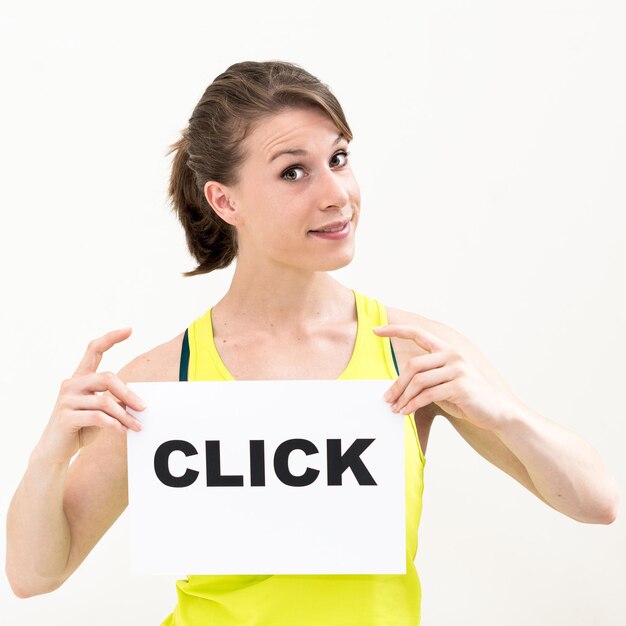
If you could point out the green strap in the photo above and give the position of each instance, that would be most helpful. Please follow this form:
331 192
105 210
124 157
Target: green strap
184 358
395 363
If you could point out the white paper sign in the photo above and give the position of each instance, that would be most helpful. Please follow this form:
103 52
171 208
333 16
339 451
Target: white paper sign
267 477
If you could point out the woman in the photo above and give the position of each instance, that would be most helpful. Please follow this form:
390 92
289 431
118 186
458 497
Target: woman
262 175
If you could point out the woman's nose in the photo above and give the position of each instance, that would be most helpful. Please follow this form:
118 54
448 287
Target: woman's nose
333 190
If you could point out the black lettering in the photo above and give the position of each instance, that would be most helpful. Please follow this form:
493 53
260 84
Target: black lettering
162 466
214 476
338 463
281 462
257 463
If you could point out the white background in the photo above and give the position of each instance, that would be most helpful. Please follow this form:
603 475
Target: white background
490 146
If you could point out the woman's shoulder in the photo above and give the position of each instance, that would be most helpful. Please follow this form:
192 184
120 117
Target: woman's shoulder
449 336
398 316
160 364
410 348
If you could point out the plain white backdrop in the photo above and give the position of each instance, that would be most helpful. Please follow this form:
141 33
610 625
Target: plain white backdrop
490 147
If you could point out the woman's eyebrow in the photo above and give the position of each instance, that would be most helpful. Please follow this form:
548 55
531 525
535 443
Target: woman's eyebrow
300 151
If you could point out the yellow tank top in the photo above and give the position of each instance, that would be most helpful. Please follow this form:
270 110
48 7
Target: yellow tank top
310 600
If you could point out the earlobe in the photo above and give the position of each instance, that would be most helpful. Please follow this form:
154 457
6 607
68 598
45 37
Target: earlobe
217 196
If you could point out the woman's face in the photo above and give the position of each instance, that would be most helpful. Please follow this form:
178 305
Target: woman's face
295 182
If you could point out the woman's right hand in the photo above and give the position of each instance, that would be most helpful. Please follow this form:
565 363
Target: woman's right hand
82 409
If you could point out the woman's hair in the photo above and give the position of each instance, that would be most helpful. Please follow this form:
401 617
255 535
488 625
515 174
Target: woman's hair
211 148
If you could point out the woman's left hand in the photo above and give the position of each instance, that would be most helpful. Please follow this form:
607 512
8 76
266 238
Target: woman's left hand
446 377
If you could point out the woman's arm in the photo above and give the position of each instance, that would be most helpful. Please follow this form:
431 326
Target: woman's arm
60 510
555 464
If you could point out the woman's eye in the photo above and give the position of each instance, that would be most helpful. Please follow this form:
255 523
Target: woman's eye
340 156
339 159
287 174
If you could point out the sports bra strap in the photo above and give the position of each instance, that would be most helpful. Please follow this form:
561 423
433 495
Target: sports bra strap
184 359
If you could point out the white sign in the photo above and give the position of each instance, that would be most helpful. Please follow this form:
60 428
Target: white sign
267 477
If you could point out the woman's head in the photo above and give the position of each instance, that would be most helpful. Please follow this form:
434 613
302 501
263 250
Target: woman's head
225 156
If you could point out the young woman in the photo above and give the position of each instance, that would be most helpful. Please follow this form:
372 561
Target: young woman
262 175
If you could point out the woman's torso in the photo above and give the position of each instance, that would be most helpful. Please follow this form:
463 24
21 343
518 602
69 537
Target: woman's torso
365 599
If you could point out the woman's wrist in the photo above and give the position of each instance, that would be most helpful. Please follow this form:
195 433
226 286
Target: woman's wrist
44 458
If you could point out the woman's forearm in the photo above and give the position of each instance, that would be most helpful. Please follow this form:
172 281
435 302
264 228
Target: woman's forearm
564 468
38 535
42 548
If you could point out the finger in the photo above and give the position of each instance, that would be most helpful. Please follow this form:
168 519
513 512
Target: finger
108 381
83 419
97 347
428 396
421 382
107 405
414 366
421 337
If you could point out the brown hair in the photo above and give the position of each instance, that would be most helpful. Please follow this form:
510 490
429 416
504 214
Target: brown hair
211 147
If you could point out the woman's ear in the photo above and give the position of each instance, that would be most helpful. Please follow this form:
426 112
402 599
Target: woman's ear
218 197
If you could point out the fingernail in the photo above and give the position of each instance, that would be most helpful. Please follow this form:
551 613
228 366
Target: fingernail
138 425
140 403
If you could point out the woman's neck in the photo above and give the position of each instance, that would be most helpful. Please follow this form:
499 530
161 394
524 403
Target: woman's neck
288 297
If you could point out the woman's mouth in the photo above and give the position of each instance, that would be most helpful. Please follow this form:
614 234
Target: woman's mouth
338 231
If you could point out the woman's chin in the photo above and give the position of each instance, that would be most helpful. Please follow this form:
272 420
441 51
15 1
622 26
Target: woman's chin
335 261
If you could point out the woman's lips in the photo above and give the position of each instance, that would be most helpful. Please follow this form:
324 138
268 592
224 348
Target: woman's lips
338 234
